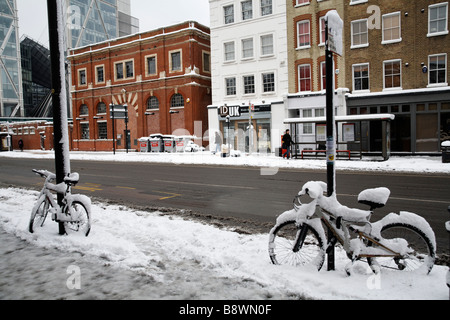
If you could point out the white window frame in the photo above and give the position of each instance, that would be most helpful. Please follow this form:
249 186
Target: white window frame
368 77
389 15
225 17
262 7
171 69
264 55
147 73
235 87
384 75
362 45
251 16
81 84
300 79
297 4
354 2
96 74
437 33
307 127
124 70
225 51
439 84
243 49
274 82
322 66
243 85
321 31
306 46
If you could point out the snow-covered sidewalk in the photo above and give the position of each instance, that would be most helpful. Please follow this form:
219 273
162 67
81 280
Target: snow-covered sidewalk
149 255
146 255
425 164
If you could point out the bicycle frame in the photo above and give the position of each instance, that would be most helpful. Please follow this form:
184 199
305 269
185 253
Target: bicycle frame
344 237
342 228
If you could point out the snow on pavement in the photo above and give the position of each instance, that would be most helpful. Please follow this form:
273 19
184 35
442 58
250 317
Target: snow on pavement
268 163
132 254
145 255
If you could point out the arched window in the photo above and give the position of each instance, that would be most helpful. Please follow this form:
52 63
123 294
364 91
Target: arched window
152 103
177 101
101 108
84 110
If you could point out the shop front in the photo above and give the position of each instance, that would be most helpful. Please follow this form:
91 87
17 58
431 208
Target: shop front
247 128
246 131
421 124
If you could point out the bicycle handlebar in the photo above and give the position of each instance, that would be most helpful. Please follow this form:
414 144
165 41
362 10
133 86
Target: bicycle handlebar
45 174
70 179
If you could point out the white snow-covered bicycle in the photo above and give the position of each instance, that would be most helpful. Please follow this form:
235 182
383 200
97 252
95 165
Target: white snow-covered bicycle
74 214
302 236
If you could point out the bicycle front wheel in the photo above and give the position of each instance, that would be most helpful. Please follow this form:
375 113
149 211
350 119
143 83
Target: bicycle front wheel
286 245
38 214
416 249
81 219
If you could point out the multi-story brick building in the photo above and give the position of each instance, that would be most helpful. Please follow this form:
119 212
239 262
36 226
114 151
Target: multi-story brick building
163 75
307 75
396 61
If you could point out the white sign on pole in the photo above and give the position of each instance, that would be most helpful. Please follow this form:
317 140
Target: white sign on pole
335 29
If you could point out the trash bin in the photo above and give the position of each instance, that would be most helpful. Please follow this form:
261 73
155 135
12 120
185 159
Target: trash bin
445 146
144 144
180 143
156 143
169 143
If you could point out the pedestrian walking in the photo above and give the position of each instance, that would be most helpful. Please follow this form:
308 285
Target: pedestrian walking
218 142
287 140
21 145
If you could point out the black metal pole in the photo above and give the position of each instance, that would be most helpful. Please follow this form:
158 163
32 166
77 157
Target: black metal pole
126 126
59 95
331 149
111 110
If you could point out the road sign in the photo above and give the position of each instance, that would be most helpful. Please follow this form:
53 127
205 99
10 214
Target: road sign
335 29
118 111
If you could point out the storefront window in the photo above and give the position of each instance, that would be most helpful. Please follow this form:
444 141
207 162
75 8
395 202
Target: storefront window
445 126
426 137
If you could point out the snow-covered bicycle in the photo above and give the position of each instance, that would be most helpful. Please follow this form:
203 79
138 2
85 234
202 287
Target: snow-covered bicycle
403 241
75 213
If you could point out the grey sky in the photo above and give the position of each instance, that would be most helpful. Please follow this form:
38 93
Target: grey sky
152 14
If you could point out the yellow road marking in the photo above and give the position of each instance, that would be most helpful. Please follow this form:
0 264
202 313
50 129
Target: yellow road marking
172 195
129 188
91 188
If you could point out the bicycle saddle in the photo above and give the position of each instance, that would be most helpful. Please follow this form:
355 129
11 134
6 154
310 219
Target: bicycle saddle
375 198
72 178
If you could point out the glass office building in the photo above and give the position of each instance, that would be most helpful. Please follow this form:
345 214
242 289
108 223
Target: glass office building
93 21
11 104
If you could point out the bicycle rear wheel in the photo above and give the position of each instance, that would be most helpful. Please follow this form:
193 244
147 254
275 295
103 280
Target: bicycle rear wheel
81 219
38 214
417 250
286 247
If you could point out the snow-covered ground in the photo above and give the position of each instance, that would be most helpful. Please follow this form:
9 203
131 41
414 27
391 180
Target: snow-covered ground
267 163
132 254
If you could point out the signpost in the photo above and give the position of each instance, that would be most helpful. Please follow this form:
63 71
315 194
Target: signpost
59 96
119 112
333 43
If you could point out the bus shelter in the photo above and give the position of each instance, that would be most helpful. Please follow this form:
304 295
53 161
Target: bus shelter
349 135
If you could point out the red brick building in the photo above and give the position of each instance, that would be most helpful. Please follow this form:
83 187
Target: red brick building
163 75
